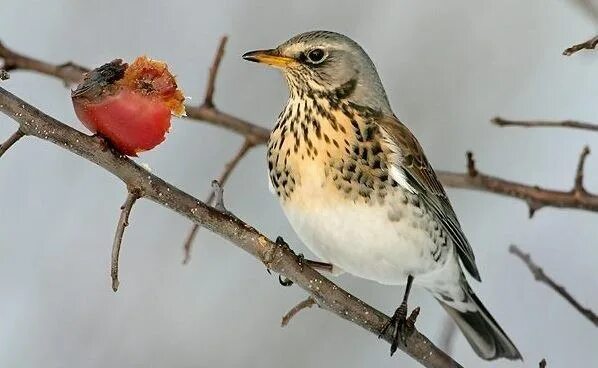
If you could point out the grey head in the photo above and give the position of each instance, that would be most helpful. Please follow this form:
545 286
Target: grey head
323 62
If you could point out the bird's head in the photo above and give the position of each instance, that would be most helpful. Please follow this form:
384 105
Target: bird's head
321 62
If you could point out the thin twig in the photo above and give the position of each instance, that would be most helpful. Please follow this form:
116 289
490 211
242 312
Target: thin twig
10 141
579 172
210 86
277 258
587 45
540 276
304 304
123 222
222 179
535 197
471 169
544 124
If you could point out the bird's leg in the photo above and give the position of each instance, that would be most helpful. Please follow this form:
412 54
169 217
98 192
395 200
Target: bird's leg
398 321
317 265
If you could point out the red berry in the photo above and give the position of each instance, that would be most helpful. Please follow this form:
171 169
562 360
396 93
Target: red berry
130 106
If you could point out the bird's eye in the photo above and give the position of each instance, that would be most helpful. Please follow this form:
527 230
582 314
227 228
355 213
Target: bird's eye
316 56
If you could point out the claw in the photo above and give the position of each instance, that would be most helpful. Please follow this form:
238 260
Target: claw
401 326
285 281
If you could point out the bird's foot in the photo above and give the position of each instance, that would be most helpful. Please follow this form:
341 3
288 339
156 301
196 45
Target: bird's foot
400 325
283 281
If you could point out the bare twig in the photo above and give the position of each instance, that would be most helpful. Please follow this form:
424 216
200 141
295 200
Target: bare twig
275 257
447 336
540 276
10 141
71 73
123 222
587 45
68 72
579 172
228 168
471 169
304 304
535 197
544 124
210 86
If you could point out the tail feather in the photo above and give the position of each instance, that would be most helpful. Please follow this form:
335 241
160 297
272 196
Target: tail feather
481 330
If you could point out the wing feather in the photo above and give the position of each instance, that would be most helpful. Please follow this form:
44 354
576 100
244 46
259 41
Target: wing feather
415 174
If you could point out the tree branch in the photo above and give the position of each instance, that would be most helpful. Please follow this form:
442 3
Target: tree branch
535 196
587 45
544 123
276 257
540 276
10 141
304 304
123 222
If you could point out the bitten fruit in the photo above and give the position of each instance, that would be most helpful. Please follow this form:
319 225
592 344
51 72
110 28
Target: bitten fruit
129 105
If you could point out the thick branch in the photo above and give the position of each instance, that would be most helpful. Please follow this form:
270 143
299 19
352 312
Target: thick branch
544 123
123 222
277 258
10 141
587 45
540 276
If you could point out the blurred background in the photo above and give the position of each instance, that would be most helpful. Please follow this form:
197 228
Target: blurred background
448 68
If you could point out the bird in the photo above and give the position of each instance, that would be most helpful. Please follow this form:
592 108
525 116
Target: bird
356 187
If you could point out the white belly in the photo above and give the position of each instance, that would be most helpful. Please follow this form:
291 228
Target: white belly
381 242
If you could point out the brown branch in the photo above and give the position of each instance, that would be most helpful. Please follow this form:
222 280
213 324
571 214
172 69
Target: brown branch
228 169
71 73
123 222
275 257
587 45
304 304
209 96
540 276
535 197
544 123
10 141
579 172
68 72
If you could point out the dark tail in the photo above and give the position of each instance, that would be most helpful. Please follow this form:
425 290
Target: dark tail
479 327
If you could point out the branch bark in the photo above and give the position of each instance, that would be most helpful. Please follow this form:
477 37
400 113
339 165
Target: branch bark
587 45
544 123
123 222
10 141
540 276
533 195
278 258
304 304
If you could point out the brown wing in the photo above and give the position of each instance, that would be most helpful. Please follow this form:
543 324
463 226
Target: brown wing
421 177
